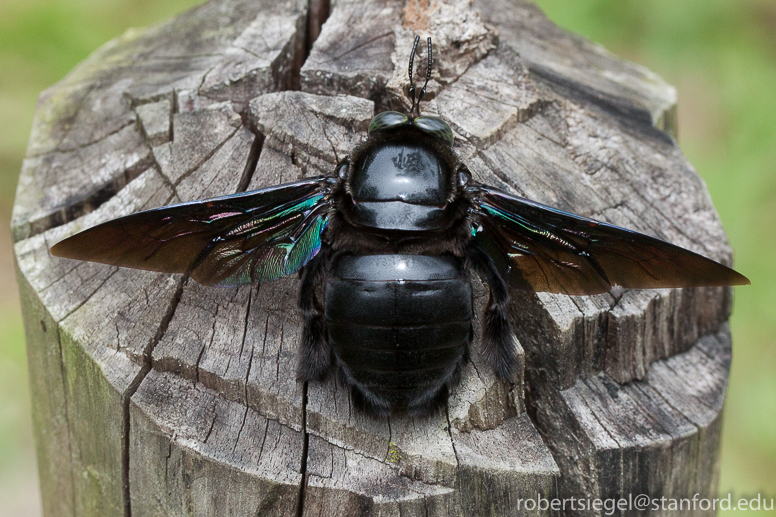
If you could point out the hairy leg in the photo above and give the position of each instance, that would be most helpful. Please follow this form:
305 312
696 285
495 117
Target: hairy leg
315 359
498 342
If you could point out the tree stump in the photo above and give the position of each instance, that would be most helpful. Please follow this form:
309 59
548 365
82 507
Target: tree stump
153 395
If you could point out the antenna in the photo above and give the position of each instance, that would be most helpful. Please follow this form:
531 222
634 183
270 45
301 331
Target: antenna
416 106
428 76
412 84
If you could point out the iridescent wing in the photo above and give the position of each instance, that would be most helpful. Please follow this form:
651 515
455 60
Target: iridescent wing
239 239
547 250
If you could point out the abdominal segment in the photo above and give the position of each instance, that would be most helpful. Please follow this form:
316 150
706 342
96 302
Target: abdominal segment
400 326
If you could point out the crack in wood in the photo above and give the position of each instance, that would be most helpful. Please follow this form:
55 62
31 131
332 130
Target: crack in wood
147 365
83 302
305 452
318 12
253 160
450 433
361 45
82 145
88 204
638 118
203 161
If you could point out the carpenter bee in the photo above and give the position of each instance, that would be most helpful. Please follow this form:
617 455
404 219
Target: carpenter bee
390 237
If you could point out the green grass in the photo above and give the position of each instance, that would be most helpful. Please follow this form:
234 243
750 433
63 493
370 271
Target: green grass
721 54
14 440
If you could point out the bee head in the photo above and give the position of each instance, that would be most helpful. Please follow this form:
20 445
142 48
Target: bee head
434 126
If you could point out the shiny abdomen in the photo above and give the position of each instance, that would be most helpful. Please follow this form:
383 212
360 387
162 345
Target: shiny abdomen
400 326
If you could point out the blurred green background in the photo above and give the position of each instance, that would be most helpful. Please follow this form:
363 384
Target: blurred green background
721 55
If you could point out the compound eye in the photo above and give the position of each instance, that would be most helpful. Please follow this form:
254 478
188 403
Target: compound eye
435 126
342 170
387 120
464 177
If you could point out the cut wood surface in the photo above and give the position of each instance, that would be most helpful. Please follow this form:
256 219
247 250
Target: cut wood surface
153 395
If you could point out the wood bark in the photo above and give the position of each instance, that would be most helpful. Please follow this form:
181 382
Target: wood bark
153 395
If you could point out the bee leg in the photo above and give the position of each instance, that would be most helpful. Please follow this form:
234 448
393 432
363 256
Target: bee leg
498 346
315 359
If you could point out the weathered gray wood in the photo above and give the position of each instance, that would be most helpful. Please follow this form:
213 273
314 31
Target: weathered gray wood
581 69
156 121
352 55
655 436
223 50
95 350
222 458
155 395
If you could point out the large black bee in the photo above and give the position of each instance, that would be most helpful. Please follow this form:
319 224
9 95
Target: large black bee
392 234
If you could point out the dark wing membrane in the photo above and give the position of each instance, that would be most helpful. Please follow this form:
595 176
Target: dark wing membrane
233 240
547 250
